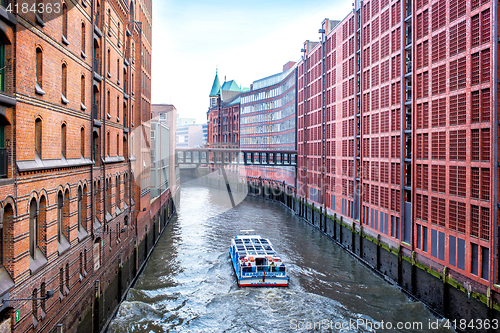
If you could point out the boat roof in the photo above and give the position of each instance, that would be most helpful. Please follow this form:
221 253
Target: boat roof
253 245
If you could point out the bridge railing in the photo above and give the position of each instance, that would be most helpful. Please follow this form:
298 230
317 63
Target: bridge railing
235 156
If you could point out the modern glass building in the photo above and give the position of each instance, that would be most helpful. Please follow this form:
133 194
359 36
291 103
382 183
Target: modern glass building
267 121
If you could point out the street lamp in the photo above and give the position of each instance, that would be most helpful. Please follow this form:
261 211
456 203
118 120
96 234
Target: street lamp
5 302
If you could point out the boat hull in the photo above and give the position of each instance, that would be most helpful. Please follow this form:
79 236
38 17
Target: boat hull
269 282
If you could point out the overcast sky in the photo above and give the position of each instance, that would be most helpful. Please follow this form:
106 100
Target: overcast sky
245 39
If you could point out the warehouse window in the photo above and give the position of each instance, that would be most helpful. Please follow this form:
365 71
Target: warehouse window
63 140
39 68
33 228
38 137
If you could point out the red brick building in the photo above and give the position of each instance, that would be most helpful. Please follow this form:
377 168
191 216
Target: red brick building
397 130
75 206
223 116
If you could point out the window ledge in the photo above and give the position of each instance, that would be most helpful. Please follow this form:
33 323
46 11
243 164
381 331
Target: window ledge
39 20
82 234
63 246
113 159
84 56
64 100
39 164
108 216
39 262
65 40
126 63
6 282
7 17
97 31
109 75
7 100
42 314
84 3
39 90
117 119
83 107
108 115
118 82
125 95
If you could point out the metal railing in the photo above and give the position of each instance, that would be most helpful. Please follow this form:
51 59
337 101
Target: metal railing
259 270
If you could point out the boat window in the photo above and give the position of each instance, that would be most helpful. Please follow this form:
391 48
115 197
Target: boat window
241 248
271 253
268 248
263 241
252 253
258 247
260 253
238 241
255 240
246 240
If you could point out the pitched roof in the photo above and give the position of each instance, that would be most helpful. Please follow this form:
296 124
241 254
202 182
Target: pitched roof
215 86
231 86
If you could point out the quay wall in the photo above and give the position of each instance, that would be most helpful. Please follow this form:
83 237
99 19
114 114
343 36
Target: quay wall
419 279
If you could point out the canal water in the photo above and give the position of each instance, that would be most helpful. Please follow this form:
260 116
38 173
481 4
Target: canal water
189 285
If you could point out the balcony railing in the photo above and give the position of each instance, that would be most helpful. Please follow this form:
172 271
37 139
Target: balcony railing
3 162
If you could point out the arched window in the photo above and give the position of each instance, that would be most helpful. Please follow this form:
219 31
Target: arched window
85 260
83 37
80 208
109 62
42 293
65 20
109 22
8 215
66 214
67 276
124 146
117 194
109 103
39 68
108 144
60 202
108 195
82 89
42 226
82 142
34 304
64 83
38 137
84 207
63 140
81 266
33 220
96 150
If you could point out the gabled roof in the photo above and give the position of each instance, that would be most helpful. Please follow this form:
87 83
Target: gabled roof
231 86
215 86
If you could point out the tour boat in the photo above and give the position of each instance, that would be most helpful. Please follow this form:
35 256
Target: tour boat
256 264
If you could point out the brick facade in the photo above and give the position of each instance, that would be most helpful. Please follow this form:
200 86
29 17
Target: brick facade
72 107
396 130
